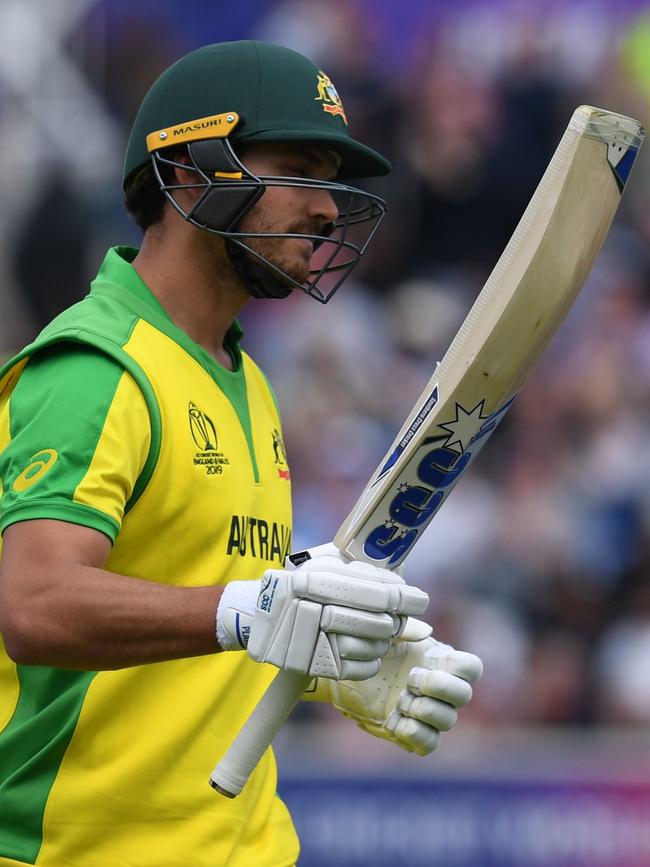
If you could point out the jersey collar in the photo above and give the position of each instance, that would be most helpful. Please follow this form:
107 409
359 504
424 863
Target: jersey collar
118 270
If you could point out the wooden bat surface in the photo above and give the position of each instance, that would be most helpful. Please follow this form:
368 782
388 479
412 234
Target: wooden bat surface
525 299
514 318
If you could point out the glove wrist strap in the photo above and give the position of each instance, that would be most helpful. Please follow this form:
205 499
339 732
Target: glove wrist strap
235 614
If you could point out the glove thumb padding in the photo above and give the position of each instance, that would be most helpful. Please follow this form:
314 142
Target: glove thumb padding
414 630
443 657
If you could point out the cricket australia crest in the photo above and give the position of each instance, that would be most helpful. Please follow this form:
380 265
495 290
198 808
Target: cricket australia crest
329 96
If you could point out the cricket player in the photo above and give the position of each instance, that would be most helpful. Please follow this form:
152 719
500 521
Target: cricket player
145 507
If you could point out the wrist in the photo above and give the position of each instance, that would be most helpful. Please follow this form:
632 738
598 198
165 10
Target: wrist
235 613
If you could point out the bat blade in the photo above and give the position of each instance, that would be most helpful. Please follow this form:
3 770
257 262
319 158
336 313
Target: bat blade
513 320
509 326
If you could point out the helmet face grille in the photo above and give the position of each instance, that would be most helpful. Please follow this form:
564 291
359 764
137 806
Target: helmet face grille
228 194
338 248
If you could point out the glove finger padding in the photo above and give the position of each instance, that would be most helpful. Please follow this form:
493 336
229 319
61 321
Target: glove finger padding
441 685
327 616
301 615
411 735
358 591
415 696
414 630
356 671
328 661
432 711
456 662
297 642
360 648
361 624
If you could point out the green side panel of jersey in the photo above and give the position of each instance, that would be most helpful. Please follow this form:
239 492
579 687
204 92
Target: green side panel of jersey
97 321
33 744
32 747
46 421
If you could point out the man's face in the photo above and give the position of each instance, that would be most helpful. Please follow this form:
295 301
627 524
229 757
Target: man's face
301 210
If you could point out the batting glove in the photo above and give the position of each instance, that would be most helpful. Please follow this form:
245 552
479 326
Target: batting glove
327 617
415 696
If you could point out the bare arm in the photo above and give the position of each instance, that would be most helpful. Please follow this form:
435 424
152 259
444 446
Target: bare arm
60 607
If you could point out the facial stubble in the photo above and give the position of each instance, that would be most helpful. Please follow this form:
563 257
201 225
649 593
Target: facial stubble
291 255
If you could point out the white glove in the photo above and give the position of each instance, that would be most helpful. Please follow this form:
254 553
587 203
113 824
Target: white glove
328 617
416 694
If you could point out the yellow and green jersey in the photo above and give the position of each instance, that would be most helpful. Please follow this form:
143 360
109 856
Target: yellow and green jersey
116 420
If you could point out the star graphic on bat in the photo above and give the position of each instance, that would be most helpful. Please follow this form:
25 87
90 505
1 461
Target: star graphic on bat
389 525
464 427
403 488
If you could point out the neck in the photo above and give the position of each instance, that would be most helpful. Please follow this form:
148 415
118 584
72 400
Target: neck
190 274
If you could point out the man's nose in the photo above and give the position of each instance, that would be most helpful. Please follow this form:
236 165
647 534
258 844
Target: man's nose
322 205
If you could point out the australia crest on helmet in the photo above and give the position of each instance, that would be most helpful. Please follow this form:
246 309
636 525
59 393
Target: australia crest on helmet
329 97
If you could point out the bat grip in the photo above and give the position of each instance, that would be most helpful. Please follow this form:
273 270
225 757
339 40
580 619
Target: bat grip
231 774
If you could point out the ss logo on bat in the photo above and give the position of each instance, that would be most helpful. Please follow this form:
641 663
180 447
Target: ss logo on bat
413 505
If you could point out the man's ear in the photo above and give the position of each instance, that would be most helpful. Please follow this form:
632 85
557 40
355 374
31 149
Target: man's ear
186 176
183 176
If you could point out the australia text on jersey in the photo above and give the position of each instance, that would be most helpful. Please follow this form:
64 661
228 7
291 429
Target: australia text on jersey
255 537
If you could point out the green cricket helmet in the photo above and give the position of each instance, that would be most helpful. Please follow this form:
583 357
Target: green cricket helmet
217 99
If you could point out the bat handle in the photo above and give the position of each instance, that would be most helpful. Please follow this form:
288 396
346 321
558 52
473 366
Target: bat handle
231 774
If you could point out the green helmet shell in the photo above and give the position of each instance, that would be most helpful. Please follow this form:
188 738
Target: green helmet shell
278 94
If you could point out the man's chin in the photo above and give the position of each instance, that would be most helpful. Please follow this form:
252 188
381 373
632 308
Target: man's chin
296 265
298 272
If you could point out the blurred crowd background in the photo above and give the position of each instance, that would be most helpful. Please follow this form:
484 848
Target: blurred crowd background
540 561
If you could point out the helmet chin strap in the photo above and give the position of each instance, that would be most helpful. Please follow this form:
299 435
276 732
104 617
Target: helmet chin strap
260 281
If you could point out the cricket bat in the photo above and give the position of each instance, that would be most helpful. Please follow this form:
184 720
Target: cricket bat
511 323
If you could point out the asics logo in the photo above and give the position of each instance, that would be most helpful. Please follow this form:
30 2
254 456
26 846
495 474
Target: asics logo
41 463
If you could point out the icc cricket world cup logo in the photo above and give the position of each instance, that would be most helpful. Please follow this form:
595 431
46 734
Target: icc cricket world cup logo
204 435
203 431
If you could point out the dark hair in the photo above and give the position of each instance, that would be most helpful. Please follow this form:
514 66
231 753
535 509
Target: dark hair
144 199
